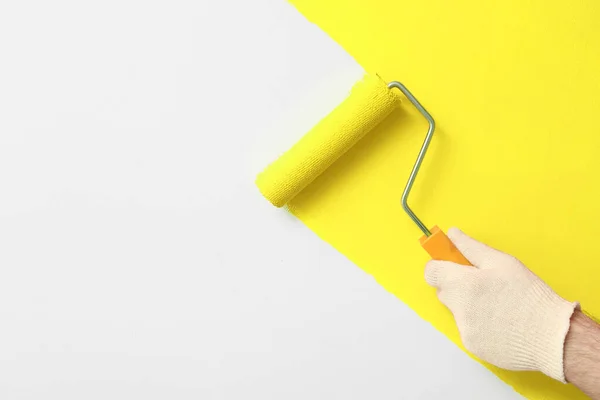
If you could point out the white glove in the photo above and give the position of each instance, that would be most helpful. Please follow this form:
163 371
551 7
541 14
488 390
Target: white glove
505 314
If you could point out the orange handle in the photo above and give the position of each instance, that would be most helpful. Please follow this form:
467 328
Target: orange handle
440 247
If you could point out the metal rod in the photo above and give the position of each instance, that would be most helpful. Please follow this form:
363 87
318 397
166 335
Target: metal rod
420 157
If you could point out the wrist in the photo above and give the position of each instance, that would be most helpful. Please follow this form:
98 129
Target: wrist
582 349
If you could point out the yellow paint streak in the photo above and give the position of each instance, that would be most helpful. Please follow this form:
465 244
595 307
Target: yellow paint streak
514 88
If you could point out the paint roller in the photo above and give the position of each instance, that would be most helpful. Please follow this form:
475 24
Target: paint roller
370 101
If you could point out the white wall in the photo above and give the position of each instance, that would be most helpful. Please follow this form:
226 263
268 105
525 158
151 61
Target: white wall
137 260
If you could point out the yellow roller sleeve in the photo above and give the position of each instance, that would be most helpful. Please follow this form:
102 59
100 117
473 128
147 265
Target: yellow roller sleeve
369 102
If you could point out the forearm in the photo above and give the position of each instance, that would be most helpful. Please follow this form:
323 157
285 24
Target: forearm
582 355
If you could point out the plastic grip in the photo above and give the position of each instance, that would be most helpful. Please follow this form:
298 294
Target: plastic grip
440 247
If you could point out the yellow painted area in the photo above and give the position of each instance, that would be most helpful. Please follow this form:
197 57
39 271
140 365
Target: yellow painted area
514 89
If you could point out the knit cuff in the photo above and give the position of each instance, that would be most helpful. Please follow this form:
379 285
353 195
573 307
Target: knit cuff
554 324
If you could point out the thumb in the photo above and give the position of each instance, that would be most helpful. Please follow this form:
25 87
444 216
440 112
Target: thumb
440 274
480 255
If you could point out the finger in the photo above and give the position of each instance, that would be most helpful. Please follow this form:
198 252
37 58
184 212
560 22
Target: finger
480 255
455 300
441 274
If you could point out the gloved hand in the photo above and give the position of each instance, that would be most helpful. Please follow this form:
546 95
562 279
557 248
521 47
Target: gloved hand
505 314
